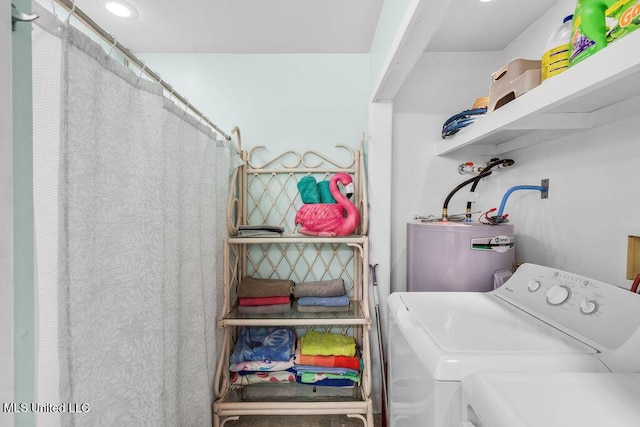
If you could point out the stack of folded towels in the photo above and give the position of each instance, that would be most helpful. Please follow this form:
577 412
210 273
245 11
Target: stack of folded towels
263 354
327 359
326 295
264 295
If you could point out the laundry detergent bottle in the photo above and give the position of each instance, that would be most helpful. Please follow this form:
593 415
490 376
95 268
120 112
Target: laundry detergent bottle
556 55
589 34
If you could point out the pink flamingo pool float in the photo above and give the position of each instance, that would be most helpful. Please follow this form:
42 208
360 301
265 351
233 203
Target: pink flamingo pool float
328 219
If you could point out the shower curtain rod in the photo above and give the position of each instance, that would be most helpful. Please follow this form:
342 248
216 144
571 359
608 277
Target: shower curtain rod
86 20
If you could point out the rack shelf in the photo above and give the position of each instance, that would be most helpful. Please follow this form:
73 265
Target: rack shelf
298 238
603 89
356 315
268 194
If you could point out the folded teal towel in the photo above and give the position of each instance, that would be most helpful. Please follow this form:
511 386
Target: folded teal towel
308 189
325 193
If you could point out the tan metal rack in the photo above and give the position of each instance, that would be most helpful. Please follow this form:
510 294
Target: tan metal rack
267 193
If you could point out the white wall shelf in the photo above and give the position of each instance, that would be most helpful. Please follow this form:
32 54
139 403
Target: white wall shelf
600 90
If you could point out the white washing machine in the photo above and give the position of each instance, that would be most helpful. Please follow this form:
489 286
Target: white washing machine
564 399
540 320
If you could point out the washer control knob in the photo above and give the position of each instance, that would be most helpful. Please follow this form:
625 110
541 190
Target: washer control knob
588 306
558 294
533 285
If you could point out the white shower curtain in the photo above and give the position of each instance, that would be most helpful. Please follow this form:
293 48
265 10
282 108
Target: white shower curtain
142 192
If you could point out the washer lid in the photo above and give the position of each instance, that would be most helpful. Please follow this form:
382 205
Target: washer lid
553 400
456 333
468 322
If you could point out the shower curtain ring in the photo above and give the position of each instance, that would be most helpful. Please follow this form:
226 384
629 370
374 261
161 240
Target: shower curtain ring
170 93
186 107
115 41
144 65
73 9
53 8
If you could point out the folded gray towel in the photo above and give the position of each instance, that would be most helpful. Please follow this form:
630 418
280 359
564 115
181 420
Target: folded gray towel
323 288
254 288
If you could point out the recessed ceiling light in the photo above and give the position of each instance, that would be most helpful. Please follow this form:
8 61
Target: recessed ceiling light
485 1
121 9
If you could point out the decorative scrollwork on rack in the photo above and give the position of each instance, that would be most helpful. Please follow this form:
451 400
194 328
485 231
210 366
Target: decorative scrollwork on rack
266 192
236 131
302 160
287 154
324 159
233 205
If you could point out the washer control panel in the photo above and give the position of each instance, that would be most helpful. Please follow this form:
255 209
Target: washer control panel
603 315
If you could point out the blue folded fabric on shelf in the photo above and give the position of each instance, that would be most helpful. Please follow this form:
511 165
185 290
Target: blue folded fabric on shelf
339 301
328 382
264 343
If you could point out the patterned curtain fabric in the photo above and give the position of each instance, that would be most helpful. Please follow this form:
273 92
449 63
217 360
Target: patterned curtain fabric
142 200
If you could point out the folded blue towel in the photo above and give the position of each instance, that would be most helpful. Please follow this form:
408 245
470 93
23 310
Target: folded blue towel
264 343
339 301
328 382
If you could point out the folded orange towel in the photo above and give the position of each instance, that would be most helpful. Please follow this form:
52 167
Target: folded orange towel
327 361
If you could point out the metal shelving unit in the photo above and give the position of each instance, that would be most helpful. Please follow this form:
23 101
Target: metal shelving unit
267 194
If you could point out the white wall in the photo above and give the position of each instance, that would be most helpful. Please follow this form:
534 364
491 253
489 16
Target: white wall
300 102
447 83
592 203
531 43
421 181
583 227
280 101
440 85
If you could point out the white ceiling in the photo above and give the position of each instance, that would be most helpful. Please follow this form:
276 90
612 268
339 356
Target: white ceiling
243 26
302 26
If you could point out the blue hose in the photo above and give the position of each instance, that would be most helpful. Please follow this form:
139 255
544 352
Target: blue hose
512 189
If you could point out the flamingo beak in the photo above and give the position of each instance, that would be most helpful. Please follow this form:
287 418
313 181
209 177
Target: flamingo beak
349 189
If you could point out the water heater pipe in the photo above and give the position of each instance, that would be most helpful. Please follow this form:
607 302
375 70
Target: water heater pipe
512 189
445 214
495 162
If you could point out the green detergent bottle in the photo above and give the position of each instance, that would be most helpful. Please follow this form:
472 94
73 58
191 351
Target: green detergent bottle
589 34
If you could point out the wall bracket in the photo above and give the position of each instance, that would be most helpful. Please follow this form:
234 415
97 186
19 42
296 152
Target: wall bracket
17 16
544 194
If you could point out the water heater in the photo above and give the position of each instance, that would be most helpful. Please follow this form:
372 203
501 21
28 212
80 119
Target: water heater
458 257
